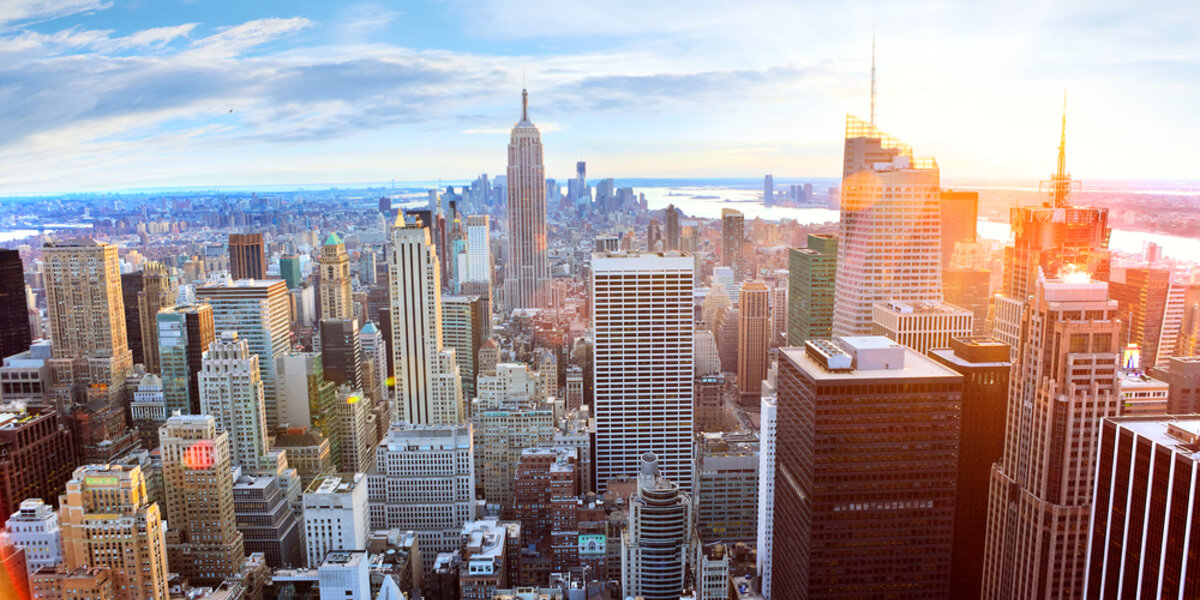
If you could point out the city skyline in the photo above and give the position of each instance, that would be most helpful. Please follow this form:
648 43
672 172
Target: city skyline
117 95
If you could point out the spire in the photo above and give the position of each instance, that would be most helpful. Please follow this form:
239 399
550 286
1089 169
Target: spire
1062 179
872 74
524 105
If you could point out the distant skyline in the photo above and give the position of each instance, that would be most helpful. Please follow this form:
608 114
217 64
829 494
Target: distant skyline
109 95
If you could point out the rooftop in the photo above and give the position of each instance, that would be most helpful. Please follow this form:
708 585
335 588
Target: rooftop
1181 433
915 365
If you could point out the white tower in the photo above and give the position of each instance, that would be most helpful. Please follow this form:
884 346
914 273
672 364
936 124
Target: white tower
428 389
231 390
527 271
643 373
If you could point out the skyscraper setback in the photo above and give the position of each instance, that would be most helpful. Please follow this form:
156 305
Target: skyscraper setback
527 271
428 387
889 246
1063 385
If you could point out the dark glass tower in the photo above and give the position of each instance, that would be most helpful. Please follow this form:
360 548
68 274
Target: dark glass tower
14 311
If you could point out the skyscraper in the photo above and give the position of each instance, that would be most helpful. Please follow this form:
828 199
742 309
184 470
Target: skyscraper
289 270
131 287
768 190
959 217
654 547
341 351
107 521
37 455
866 460
919 325
642 366
733 234
89 338
428 388
160 289
203 543
184 334
1049 238
231 390
479 249
1063 385
15 337
726 469
335 515
984 364
671 229
812 272
335 280
527 271
247 256
767 451
354 431
462 320
754 338
1142 542
888 246
1141 294
258 312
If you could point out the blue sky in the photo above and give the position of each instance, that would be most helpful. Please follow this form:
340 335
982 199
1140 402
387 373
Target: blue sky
113 94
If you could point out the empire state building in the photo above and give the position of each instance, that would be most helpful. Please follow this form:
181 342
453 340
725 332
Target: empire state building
527 272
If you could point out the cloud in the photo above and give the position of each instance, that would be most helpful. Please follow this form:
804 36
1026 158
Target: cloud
543 127
26 11
233 41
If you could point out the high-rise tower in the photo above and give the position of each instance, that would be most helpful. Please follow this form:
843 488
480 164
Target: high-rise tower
1049 237
889 245
160 289
733 234
184 334
231 390
14 310
247 256
643 357
527 271
203 542
89 338
428 389
754 338
336 302
1063 384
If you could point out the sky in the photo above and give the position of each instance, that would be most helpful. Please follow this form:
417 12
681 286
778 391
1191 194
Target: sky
100 95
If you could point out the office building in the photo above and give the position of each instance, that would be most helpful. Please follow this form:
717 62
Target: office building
93 583
491 552
203 543
959 216
185 332
37 456
768 436
258 312
159 290
34 529
527 271
1182 376
306 397
375 376
307 451
768 190
921 326
15 336
335 515
89 341
341 351
984 364
479 249
888 235
289 270
424 481
344 575
671 229
1053 238
812 272
25 377
1063 385
654 548
247 256
107 521
733 235
754 338
428 385
354 429
502 433
1141 543
1141 294
131 286
643 363
232 392
866 460
335 280
726 467
269 519
463 318
969 289
547 504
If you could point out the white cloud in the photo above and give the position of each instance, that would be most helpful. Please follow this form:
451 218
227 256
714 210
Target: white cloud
233 41
24 11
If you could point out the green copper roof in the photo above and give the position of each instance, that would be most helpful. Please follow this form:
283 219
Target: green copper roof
333 240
